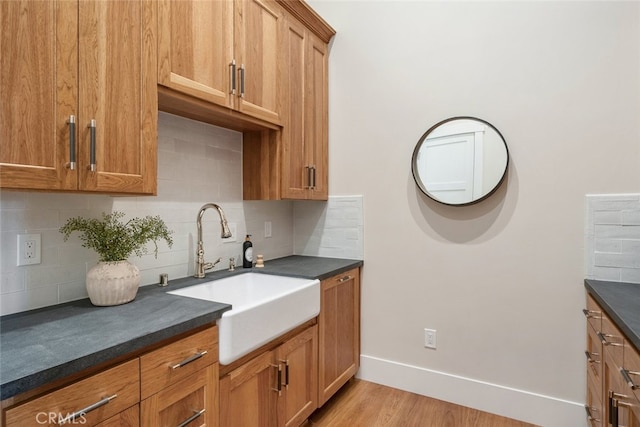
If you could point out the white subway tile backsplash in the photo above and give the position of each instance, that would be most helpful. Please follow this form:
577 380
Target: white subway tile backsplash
612 237
333 229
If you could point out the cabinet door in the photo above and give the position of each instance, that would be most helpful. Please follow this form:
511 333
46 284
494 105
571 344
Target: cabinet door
38 89
118 90
247 396
298 357
258 29
304 138
192 400
339 332
316 117
195 48
126 418
295 166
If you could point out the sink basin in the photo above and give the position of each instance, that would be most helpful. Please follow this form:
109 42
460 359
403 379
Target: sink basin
263 307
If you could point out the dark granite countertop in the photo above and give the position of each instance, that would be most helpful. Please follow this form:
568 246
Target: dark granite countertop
48 344
621 302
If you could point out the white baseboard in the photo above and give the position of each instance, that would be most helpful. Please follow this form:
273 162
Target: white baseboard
521 405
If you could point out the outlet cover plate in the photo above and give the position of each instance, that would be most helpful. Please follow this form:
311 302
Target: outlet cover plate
29 249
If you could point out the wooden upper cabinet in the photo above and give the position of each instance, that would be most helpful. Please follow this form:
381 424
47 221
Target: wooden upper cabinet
224 52
118 91
195 48
38 88
79 62
304 137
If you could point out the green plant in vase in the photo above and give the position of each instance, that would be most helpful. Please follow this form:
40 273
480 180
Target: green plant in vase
114 280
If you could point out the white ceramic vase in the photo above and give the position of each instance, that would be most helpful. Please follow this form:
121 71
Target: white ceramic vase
113 283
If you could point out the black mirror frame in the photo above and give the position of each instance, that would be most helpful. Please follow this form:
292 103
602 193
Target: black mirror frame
424 137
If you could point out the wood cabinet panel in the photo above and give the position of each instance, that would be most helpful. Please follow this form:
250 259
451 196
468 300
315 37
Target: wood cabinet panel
299 397
257 38
195 48
38 88
162 367
247 395
192 398
305 133
339 332
127 418
121 383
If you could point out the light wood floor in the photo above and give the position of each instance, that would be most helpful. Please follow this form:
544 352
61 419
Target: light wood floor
364 404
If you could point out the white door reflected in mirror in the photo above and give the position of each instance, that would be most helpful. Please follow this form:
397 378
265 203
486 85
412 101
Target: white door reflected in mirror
460 161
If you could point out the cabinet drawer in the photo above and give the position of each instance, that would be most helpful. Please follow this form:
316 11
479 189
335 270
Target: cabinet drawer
594 356
632 367
192 401
593 406
612 340
171 363
593 313
109 393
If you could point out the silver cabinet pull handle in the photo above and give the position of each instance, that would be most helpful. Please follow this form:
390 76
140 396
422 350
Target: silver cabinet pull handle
192 417
232 71
344 279
308 168
72 142
86 410
603 340
241 72
590 359
278 378
189 359
591 314
92 146
590 417
627 378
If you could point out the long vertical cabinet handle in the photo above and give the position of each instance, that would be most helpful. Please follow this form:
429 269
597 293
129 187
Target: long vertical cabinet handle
278 379
72 142
286 373
308 168
313 175
232 71
241 72
613 410
92 146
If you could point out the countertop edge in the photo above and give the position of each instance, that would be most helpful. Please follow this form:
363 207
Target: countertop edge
613 312
293 266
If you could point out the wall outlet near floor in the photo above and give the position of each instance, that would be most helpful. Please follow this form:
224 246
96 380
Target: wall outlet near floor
430 338
29 246
267 229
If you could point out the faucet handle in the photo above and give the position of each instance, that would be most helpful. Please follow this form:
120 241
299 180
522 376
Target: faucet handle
232 264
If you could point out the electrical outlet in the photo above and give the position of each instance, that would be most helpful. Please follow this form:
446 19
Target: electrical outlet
430 338
29 249
267 229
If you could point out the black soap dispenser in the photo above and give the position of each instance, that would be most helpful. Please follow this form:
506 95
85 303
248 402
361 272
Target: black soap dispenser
247 252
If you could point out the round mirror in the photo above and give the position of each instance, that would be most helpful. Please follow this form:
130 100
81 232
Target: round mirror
460 161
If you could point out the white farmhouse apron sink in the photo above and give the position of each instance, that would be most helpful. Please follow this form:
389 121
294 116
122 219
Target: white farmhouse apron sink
263 307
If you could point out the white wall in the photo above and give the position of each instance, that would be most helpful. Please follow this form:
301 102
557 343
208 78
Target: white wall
501 281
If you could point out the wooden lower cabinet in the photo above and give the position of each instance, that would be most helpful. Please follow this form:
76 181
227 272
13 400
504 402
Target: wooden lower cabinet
178 382
339 332
191 401
126 418
612 375
276 388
